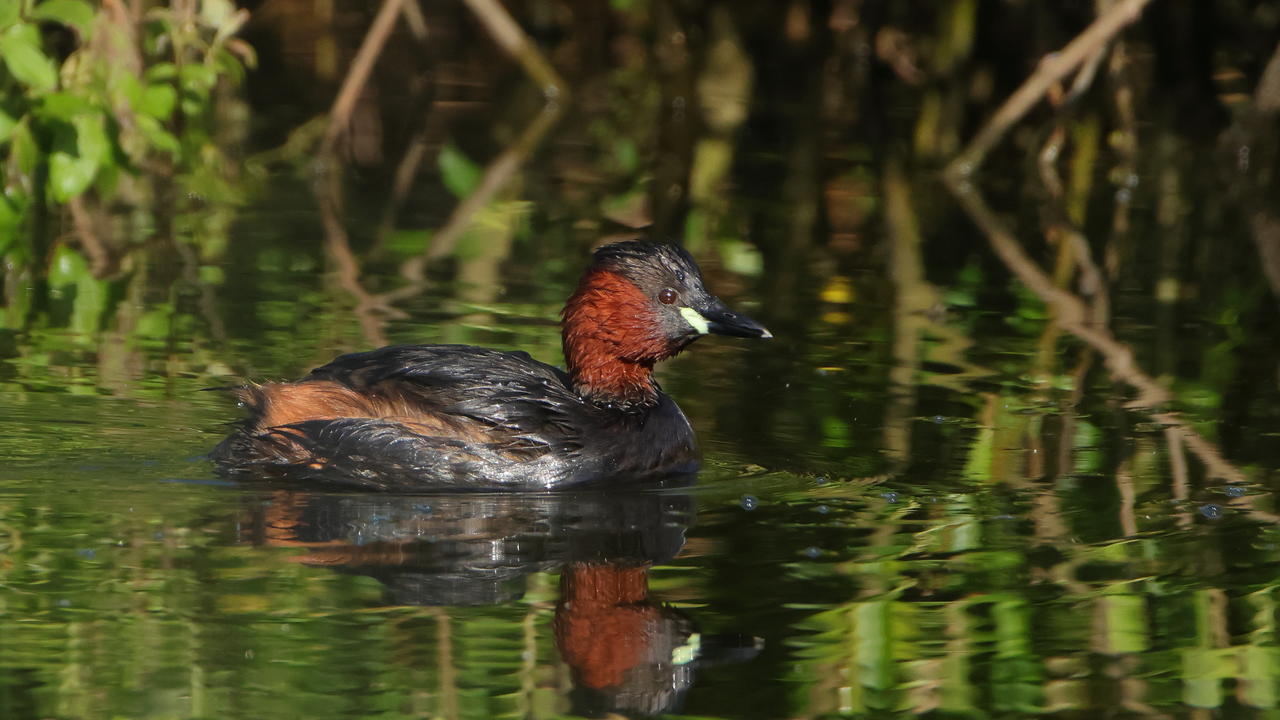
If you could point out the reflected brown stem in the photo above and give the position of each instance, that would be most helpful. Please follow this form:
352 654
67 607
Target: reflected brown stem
1178 468
366 57
1266 237
100 259
1053 68
1267 97
1074 316
448 707
414 20
1047 159
507 33
496 176
1126 146
914 296
406 171
369 308
1067 435
1092 282
1124 483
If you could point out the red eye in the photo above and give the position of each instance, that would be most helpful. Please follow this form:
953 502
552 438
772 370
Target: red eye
668 296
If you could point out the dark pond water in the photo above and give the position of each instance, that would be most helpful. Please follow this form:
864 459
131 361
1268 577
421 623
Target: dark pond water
923 497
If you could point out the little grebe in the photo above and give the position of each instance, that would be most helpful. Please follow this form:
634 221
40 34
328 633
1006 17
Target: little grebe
427 417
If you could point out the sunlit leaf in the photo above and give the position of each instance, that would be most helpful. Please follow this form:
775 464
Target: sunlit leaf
64 106
66 267
741 257
216 13
25 59
157 135
9 13
460 175
25 151
72 13
78 151
158 101
10 218
7 124
197 78
161 71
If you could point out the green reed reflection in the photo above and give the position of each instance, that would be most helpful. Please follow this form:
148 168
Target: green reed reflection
928 496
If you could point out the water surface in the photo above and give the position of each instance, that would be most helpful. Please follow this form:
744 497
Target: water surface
923 497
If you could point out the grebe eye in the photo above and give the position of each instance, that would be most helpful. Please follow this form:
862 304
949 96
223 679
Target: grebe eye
667 296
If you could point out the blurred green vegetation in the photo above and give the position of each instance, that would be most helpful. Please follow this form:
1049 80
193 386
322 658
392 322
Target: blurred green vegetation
96 96
958 513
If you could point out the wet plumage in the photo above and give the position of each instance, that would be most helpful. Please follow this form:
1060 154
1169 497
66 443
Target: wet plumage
463 417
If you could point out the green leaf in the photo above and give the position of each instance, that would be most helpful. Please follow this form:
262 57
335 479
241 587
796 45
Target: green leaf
10 217
216 13
7 124
460 175
155 134
197 78
78 152
161 71
67 267
158 101
24 150
26 61
9 13
64 106
72 13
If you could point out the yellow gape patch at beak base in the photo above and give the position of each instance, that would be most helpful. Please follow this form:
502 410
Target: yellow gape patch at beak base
694 318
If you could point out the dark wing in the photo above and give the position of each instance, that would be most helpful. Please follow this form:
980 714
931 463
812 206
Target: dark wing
485 420
530 403
374 454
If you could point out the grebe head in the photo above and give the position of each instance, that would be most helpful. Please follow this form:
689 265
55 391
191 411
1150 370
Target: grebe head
636 304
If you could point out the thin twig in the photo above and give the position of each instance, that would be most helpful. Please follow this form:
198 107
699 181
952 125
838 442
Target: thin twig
101 263
1053 68
414 19
508 34
374 41
370 309
1128 498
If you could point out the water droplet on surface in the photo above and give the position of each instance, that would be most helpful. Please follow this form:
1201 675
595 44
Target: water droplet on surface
749 502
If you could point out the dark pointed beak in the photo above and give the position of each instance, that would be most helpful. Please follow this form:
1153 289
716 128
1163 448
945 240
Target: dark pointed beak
721 320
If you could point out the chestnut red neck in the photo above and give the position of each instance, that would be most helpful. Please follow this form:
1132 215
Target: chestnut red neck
612 340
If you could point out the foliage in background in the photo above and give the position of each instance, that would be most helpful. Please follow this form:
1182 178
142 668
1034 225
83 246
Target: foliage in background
93 99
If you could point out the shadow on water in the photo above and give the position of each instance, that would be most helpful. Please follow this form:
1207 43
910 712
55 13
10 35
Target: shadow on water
627 651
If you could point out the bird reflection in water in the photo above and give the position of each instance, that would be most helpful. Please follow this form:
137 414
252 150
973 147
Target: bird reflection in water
628 652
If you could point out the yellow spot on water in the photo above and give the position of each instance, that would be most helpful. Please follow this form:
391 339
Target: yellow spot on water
838 290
